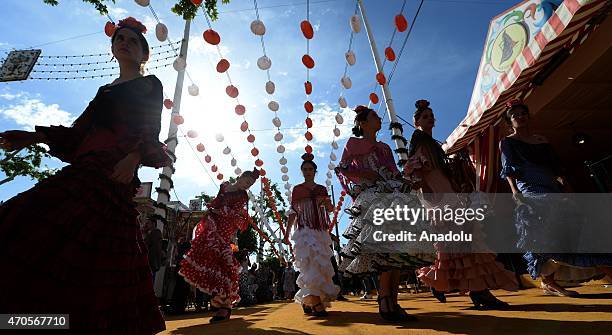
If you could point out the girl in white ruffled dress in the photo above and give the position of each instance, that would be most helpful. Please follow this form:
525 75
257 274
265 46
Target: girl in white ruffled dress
309 213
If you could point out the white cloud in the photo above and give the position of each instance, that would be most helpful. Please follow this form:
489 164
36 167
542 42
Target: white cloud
11 96
30 112
117 12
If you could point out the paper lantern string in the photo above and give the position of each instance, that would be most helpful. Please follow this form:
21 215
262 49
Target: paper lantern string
104 53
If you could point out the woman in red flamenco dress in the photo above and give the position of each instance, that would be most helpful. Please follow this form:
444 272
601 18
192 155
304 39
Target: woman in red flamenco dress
72 243
210 264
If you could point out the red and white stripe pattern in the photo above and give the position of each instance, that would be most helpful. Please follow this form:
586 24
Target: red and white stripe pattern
567 27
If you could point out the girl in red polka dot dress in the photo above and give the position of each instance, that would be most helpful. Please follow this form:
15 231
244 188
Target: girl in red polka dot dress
210 264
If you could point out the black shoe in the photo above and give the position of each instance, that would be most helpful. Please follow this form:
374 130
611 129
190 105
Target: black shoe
218 318
321 313
341 298
438 295
403 316
487 301
307 310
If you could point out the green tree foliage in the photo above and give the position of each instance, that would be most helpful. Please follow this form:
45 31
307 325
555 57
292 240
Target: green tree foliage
25 163
184 8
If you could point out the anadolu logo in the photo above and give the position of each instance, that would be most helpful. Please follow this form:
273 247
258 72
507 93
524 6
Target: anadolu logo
508 45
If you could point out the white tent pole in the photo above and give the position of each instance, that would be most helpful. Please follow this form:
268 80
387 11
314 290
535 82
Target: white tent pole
399 144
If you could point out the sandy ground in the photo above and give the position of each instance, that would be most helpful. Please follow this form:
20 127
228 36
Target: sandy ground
531 313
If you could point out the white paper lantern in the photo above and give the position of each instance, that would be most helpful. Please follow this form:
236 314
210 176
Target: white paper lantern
276 122
143 3
339 119
342 102
233 162
278 137
328 182
258 28
333 157
193 90
179 64
336 132
355 23
219 137
285 177
329 174
331 166
273 106
346 82
280 149
287 193
192 134
350 57
238 171
270 87
284 169
161 32
283 161
264 63
287 186
335 145
227 150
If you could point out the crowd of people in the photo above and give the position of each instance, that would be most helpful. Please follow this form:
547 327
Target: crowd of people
82 251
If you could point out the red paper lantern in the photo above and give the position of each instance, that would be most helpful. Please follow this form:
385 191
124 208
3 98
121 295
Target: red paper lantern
251 138
254 152
307 30
200 147
212 37
308 122
308 61
109 29
232 91
178 119
168 103
308 149
401 23
308 107
240 109
223 65
207 158
374 98
262 172
258 162
196 2
214 168
343 193
308 87
244 126
390 54
264 180
308 136
380 78
220 177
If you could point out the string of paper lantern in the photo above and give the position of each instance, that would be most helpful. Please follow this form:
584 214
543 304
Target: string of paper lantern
258 28
337 210
104 54
309 63
213 38
267 239
92 77
272 203
94 69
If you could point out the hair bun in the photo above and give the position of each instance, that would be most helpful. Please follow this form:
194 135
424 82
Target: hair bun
308 157
361 109
421 104
132 23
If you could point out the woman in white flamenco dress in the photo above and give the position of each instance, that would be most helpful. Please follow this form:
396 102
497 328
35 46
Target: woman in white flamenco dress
309 214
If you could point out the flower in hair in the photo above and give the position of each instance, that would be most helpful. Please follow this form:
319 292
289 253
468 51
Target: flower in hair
133 24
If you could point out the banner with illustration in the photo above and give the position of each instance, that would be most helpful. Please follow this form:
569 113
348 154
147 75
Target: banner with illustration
508 35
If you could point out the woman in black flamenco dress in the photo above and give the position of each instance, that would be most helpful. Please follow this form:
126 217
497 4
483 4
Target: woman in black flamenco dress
72 243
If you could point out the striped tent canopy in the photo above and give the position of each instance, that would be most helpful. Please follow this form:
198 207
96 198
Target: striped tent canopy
524 45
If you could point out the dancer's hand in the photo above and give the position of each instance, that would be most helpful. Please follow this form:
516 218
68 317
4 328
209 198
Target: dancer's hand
518 199
15 140
124 170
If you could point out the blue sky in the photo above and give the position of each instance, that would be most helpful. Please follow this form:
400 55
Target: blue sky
439 63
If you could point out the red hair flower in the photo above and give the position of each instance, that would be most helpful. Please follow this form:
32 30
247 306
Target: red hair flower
514 102
130 22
